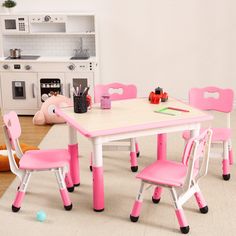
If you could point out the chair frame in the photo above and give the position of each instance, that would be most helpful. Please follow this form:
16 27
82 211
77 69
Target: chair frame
24 175
129 92
181 194
223 104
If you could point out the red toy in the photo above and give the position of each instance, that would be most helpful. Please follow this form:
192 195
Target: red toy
155 97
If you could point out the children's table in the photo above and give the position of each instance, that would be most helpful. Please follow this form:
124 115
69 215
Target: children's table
126 119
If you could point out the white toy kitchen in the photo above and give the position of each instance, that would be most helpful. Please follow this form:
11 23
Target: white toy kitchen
42 54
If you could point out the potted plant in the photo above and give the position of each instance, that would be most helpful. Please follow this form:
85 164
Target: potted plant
9 4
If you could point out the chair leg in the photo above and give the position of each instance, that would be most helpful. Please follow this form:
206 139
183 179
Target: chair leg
201 202
184 227
137 148
91 162
156 197
231 160
225 162
69 183
21 192
133 157
179 212
63 191
134 216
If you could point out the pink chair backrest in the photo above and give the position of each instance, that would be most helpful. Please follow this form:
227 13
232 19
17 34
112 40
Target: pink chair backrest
212 98
13 127
127 91
202 141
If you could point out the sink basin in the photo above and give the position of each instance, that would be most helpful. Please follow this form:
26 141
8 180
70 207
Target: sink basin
79 58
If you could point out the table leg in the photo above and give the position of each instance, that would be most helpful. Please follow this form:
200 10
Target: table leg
161 146
161 155
98 180
74 160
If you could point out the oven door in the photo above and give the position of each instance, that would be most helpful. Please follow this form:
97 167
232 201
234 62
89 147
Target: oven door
19 91
79 80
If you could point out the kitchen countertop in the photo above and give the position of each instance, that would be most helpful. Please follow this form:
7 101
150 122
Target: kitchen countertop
49 59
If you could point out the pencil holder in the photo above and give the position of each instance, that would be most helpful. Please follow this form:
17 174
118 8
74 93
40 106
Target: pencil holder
80 104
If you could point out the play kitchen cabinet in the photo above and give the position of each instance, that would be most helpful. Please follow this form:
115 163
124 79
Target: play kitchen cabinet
57 52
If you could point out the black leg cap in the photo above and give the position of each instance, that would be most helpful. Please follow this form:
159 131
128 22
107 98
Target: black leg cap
204 210
226 177
77 185
184 230
134 218
91 168
15 209
100 210
134 168
71 189
138 154
156 201
68 208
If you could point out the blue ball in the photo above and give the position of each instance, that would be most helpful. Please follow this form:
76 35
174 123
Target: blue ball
41 216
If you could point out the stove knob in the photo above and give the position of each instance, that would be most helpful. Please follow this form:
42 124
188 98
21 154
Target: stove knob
47 18
71 67
5 66
27 67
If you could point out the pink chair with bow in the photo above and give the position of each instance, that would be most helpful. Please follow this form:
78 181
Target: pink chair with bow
118 91
181 178
220 100
56 160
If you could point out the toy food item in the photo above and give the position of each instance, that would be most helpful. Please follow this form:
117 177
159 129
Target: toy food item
46 114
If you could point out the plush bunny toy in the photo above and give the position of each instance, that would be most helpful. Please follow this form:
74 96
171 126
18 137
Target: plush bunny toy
46 114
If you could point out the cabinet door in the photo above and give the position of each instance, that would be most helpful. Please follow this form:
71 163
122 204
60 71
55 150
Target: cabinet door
80 80
19 90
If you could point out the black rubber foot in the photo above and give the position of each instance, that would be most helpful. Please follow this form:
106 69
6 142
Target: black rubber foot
204 210
77 185
98 210
70 189
226 177
15 209
91 168
134 168
156 201
134 218
138 154
184 230
68 208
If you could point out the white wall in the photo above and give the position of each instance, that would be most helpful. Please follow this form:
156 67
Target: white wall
176 44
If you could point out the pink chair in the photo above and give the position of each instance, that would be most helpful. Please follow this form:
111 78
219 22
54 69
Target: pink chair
125 92
180 178
221 100
36 160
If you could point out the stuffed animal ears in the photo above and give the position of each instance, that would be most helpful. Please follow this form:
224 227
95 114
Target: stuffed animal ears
39 118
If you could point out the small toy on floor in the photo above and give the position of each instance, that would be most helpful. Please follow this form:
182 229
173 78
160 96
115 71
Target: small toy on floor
157 96
41 216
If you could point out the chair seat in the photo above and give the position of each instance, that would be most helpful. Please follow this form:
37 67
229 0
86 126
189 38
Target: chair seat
219 134
164 172
44 159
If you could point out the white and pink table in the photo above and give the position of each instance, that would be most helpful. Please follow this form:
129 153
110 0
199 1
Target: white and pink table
127 119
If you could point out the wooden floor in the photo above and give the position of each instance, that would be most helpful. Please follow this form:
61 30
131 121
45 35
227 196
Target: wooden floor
31 135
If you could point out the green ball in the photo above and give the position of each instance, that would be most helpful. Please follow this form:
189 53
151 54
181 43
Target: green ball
41 216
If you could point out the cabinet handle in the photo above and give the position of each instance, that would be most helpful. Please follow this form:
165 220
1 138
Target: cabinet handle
33 90
69 91
62 85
